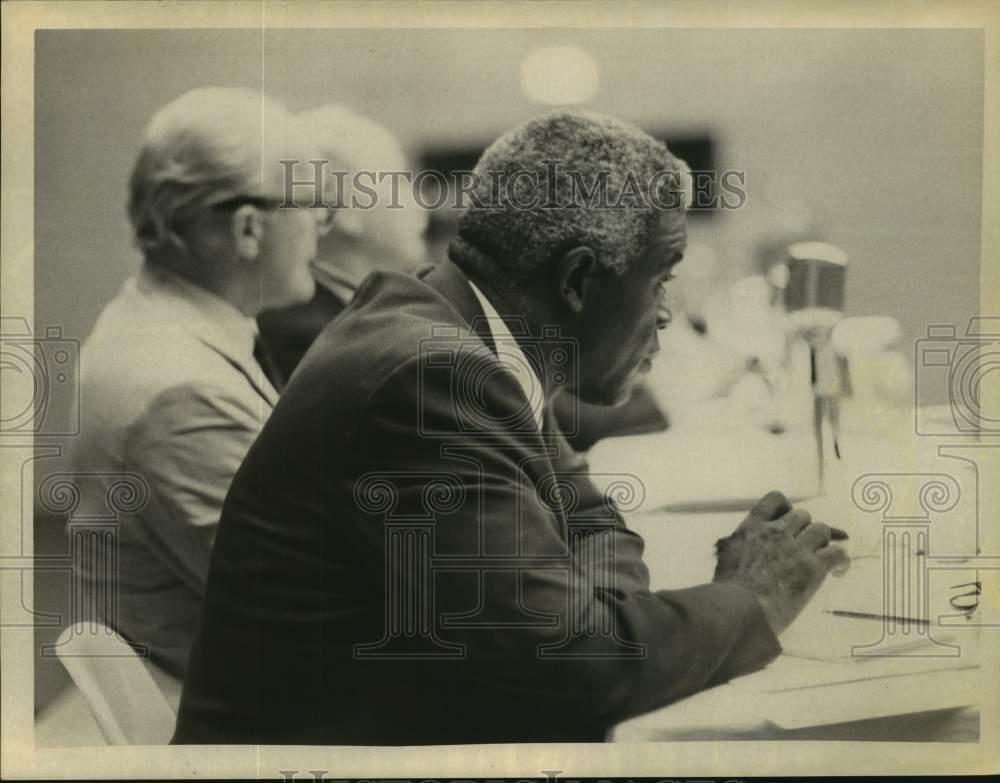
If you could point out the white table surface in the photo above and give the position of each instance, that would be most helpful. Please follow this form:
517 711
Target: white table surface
817 689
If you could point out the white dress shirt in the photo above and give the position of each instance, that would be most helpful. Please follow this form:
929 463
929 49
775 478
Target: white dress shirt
512 357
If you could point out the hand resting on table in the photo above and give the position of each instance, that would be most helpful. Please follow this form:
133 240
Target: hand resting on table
782 556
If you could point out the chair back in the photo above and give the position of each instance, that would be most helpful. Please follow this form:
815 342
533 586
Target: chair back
126 702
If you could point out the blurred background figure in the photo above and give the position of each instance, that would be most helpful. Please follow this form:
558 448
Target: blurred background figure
173 388
379 225
731 331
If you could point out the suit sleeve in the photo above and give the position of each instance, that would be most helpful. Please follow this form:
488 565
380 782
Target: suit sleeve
611 646
188 446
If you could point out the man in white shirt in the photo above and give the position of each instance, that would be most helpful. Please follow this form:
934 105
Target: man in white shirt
172 391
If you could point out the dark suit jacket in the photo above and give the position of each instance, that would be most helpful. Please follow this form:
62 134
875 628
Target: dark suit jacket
290 331
404 559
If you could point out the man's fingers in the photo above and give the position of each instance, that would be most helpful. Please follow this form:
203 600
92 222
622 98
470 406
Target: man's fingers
796 520
815 536
836 560
771 506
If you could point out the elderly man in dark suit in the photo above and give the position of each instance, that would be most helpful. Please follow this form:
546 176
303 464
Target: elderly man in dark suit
410 555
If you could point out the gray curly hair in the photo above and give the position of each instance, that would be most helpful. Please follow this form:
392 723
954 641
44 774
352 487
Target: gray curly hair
561 164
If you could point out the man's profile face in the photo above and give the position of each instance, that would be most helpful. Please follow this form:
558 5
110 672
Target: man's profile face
289 247
291 235
619 334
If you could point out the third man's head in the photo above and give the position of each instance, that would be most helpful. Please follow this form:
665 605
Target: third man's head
576 220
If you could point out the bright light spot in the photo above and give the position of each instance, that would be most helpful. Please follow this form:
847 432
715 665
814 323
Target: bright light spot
699 262
559 75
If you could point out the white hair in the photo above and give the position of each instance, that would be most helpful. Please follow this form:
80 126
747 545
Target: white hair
367 153
207 146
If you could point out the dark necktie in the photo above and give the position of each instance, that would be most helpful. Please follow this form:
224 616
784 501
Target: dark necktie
267 364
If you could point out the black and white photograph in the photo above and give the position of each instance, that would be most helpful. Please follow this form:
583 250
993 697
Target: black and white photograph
550 390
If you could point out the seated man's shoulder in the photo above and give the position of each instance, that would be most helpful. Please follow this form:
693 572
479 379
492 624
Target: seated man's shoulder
127 368
396 326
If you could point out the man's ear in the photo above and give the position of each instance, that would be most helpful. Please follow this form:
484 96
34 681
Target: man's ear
247 227
576 270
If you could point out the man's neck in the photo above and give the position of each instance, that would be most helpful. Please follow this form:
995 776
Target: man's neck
518 312
521 316
349 265
227 287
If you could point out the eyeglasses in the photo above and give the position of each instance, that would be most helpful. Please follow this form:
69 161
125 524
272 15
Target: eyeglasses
260 202
323 215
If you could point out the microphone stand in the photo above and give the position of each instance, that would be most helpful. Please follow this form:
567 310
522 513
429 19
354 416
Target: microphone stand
829 384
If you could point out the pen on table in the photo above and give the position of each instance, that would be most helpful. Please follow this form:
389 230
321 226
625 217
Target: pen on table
834 411
868 616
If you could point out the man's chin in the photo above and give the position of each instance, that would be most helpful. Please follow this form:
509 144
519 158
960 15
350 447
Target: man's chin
626 388
301 292
624 395
609 396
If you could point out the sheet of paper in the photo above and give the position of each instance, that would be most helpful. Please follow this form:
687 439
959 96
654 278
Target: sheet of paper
708 471
823 704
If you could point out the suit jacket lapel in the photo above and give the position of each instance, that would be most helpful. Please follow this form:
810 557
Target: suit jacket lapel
253 372
175 307
451 282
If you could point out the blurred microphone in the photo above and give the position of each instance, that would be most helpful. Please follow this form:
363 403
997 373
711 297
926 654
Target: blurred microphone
814 291
814 299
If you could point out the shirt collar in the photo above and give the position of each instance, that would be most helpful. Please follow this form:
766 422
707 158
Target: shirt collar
334 280
512 357
209 317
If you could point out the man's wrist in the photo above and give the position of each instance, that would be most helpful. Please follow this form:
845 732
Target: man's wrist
763 603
